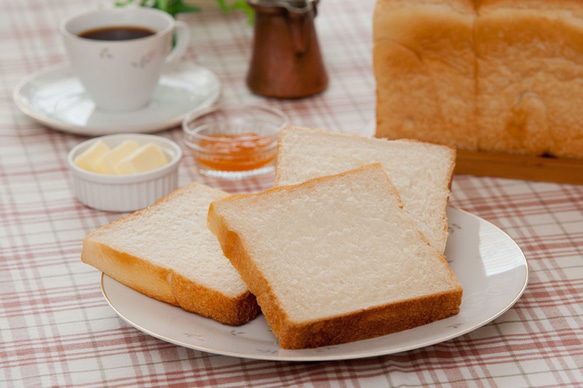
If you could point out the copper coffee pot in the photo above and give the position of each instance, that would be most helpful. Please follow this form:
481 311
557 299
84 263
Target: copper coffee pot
286 60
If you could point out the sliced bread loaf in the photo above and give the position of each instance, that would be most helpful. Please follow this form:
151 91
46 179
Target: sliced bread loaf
424 65
335 259
498 76
421 172
166 252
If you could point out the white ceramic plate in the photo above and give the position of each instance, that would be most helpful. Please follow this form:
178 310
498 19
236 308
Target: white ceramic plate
487 262
55 97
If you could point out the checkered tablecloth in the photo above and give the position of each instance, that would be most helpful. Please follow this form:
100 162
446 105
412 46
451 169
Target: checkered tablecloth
56 329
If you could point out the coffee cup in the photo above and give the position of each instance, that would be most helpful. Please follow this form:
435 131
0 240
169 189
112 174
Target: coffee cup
119 54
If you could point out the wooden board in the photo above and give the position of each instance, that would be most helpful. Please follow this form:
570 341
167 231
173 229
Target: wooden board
533 168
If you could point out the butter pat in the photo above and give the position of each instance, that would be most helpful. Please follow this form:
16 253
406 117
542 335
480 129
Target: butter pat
89 159
108 163
146 158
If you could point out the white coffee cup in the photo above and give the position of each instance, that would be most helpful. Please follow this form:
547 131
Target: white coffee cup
121 75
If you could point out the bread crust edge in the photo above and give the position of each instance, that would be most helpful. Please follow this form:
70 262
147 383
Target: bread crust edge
168 286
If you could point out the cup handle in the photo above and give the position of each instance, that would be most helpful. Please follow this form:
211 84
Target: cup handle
182 39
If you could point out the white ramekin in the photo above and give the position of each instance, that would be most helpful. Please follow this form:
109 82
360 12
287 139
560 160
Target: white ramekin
123 193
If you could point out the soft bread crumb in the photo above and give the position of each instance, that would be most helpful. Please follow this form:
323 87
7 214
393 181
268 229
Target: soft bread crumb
421 172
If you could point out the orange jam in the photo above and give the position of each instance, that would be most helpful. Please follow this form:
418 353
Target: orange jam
235 152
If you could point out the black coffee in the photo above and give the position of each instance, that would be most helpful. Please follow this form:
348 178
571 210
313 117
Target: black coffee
117 33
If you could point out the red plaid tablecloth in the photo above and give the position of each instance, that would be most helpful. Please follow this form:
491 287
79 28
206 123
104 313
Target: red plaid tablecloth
56 329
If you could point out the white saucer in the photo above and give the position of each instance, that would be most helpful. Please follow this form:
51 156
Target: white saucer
56 98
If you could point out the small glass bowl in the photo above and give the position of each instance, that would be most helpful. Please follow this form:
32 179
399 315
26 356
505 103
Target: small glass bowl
233 142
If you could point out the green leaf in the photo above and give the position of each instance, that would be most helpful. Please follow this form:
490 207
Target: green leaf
243 6
174 7
240 5
223 5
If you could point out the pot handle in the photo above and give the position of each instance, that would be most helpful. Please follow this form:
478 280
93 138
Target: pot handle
299 23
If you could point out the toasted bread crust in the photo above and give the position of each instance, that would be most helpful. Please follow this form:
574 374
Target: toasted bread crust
371 323
210 303
167 286
132 271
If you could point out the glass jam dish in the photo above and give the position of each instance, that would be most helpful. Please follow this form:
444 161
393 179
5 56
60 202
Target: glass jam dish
233 142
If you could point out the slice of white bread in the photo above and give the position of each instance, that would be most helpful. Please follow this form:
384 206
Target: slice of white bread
421 172
166 252
335 259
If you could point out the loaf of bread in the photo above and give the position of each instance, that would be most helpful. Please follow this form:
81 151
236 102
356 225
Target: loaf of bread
421 172
495 75
335 259
166 252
